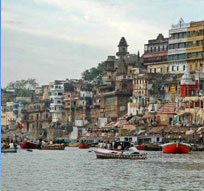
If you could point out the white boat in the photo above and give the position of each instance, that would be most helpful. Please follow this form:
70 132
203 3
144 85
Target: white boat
132 153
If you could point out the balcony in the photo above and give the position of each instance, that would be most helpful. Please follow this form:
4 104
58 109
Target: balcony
56 97
55 104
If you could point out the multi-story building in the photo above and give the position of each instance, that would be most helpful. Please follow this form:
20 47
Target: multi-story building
56 102
19 106
36 115
8 118
177 47
195 46
155 55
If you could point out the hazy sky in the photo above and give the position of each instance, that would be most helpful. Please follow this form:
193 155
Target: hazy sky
59 39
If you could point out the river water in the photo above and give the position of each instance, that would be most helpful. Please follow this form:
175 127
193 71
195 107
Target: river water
79 170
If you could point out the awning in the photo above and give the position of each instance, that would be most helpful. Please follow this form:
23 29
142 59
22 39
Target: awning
190 132
185 114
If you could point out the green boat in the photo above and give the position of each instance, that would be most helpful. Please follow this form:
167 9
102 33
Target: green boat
9 150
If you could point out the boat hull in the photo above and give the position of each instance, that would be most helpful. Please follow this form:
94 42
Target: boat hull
115 155
176 148
84 146
140 147
53 147
28 145
74 144
9 150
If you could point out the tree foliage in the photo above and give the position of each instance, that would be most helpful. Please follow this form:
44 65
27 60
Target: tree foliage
23 88
94 74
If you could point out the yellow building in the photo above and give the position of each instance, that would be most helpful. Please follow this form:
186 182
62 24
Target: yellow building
158 68
192 109
7 117
195 46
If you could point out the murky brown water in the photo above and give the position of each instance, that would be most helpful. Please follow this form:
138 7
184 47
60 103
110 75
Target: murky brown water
79 170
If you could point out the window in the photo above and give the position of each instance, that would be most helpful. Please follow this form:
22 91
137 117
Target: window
155 70
59 94
184 67
172 68
177 68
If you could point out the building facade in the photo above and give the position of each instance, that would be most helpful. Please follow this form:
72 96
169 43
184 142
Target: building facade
177 47
56 99
195 46
155 55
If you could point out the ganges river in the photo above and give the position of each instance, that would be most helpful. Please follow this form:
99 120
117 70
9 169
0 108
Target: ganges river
79 170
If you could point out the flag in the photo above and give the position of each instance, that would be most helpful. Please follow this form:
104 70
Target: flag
20 126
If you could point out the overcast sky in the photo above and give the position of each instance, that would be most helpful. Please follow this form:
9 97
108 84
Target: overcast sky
59 39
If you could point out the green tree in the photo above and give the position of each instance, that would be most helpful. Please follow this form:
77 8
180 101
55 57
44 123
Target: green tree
94 74
23 88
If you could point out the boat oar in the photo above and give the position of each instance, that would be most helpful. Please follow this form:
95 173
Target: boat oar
90 151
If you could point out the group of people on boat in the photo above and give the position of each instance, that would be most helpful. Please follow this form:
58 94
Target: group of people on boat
114 145
5 144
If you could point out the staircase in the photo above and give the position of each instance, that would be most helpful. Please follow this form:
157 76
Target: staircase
168 108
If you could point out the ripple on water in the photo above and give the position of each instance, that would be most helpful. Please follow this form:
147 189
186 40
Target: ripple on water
79 170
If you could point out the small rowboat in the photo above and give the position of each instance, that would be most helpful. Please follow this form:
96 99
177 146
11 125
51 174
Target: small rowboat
108 154
53 147
9 150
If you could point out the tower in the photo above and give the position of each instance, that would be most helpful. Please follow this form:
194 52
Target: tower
122 48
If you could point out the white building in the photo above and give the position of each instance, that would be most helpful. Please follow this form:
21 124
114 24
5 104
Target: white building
85 97
177 47
56 99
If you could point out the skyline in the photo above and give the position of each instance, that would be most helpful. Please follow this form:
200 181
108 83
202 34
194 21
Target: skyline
63 38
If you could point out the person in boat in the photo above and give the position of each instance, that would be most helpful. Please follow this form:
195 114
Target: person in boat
40 143
108 145
8 140
12 144
4 145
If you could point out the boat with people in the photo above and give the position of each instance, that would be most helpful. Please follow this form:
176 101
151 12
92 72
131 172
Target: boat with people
131 153
9 150
28 145
176 148
53 147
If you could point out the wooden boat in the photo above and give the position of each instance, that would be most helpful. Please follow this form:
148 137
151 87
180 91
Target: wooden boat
153 147
28 145
84 146
176 148
74 144
53 147
140 147
109 154
9 150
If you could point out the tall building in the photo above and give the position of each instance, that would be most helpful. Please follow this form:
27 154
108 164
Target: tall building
195 46
122 48
177 47
56 99
155 55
